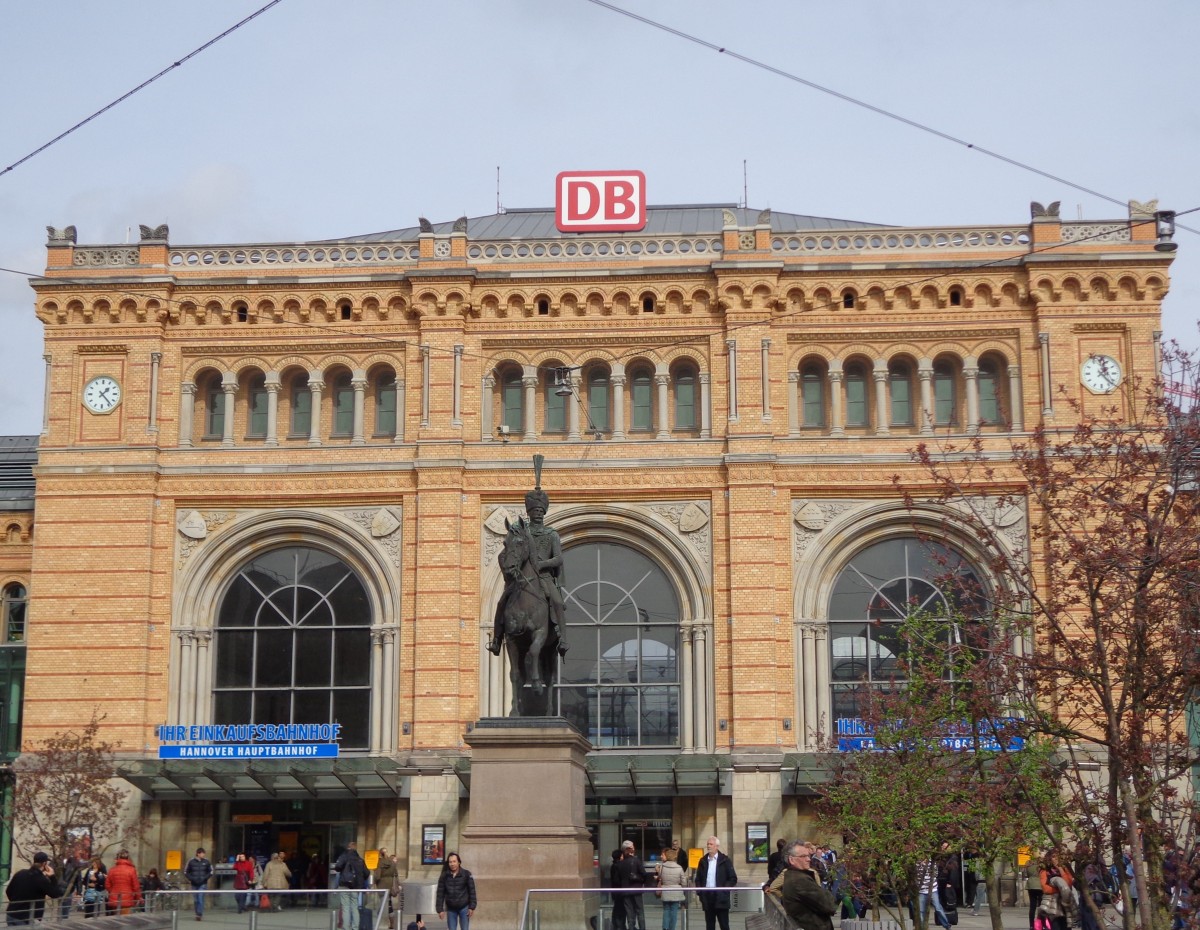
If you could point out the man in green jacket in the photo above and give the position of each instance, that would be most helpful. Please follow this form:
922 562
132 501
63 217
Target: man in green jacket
809 905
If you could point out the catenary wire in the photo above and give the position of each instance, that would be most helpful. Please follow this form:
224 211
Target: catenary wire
408 343
146 83
847 98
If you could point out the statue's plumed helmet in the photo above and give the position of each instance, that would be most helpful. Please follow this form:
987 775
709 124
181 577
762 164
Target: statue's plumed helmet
537 497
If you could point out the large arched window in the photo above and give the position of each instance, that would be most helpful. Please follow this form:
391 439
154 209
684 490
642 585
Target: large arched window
989 393
812 395
857 404
620 683
597 396
256 408
293 645
882 586
385 404
900 388
343 406
685 397
12 609
641 400
512 400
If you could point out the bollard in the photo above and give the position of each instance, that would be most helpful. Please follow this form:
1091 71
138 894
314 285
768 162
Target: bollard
175 919
253 912
333 918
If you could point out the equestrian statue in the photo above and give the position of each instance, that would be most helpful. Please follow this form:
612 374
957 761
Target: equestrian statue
529 619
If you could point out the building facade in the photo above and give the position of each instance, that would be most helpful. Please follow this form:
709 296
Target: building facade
273 481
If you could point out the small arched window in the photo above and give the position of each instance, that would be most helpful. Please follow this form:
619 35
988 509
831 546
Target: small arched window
900 387
343 405
512 397
344 310
641 393
855 382
812 396
301 403
214 409
685 398
12 608
597 391
385 405
242 311
256 408
848 299
647 304
945 399
543 307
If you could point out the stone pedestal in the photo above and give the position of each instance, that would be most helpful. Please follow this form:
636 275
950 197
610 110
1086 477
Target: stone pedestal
527 829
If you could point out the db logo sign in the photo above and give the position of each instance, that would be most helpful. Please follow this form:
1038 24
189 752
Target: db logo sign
600 201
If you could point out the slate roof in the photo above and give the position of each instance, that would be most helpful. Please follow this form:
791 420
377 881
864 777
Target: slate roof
18 455
670 219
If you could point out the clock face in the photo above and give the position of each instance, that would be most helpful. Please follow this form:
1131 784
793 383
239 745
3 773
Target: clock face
1100 374
102 394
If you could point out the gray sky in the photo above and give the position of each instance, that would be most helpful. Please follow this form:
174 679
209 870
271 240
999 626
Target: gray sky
324 118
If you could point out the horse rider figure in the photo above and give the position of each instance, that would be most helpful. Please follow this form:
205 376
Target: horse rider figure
548 557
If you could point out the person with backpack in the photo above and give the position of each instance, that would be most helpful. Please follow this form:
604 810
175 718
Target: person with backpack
352 878
198 871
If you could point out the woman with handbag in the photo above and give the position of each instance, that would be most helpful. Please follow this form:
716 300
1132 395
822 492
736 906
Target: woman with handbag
671 882
91 886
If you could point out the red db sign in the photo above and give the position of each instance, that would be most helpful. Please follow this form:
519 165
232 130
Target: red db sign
600 201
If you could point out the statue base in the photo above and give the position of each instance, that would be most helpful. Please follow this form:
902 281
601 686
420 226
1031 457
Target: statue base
527 829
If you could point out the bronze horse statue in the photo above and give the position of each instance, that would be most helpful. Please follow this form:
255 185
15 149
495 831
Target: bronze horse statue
529 635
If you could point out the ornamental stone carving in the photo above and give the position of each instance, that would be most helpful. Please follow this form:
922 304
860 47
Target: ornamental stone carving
382 517
811 518
693 519
385 522
199 525
191 525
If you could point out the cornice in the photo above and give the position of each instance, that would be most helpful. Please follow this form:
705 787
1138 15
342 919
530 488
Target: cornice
195 351
566 341
97 349
1100 326
906 335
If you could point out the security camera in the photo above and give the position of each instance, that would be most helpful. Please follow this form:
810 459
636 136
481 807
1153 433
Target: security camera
502 429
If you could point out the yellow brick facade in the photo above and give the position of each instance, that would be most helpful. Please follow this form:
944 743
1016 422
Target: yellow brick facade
687 436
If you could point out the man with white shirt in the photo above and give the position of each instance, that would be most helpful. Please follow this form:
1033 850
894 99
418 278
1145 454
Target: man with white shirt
714 872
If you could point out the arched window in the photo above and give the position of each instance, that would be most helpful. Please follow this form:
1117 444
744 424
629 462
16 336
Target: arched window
641 400
620 682
512 396
882 586
12 609
301 403
685 398
900 387
256 408
597 395
945 395
214 409
855 382
385 405
989 394
293 645
556 379
812 396
343 405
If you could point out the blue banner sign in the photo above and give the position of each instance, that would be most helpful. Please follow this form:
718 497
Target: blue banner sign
854 735
250 741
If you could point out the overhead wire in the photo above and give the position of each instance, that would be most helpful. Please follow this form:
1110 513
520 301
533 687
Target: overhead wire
142 86
855 101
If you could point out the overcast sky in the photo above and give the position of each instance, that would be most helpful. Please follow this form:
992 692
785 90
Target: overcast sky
325 118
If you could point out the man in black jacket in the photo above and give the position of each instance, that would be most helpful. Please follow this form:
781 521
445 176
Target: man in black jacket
198 871
633 877
715 871
28 891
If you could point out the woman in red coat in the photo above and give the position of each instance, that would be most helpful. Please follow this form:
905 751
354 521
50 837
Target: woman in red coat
123 886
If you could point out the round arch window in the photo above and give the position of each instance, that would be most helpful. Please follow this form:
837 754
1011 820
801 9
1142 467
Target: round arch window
293 645
882 586
619 684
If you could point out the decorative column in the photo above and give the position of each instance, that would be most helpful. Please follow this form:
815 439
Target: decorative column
376 736
838 425
529 381
766 380
703 724
971 376
272 385
687 742
925 374
486 399
315 386
880 375
808 673
618 401
573 405
731 350
1015 413
425 387
795 400
229 393
155 362
46 395
185 686
662 414
202 682
401 410
187 412
705 407
358 381
456 413
1047 390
